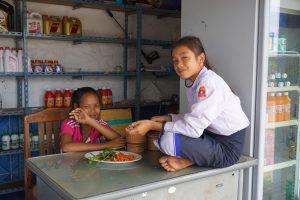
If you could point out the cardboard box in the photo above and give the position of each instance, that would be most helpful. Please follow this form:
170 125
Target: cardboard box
118 119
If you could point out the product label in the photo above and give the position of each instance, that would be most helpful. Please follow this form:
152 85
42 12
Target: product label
280 108
5 145
12 64
67 102
287 108
104 100
54 27
58 102
50 103
74 28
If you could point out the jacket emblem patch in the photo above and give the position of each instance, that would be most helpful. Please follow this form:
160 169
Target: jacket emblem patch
201 92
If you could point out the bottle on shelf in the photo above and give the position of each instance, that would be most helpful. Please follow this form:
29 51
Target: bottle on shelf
109 97
279 107
292 149
272 80
271 107
287 106
5 142
49 99
67 98
14 141
58 96
104 96
10 61
279 81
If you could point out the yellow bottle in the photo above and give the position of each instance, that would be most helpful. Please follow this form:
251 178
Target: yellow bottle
72 26
52 25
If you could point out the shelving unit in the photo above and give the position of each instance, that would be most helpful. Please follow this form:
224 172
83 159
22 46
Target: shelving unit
23 78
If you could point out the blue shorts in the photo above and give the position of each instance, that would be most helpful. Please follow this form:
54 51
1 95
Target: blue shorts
209 150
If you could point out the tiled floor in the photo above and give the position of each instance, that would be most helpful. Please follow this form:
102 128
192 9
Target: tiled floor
13 196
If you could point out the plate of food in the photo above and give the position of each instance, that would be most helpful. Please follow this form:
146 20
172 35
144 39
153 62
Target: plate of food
113 156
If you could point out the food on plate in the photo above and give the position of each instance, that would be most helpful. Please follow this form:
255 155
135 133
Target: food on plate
112 155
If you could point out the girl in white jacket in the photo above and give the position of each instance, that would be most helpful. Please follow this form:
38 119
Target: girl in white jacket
212 132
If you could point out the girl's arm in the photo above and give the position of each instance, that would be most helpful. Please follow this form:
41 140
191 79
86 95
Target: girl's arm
106 132
68 146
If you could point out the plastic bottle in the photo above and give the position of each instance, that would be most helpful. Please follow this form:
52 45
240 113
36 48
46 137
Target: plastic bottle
109 97
14 51
49 99
279 81
1 60
287 106
100 95
67 98
35 141
5 142
279 107
271 107
20 60
21 140
272 80
10 61
59 101
14 141
104 96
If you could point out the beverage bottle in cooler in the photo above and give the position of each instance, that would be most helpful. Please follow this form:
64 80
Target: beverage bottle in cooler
279 82
5 142
1 60
67 98
58 98
272 80
49 99
271 107
109 97
287 106
14 141
279 107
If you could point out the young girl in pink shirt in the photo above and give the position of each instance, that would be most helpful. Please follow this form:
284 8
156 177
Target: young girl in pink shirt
85 126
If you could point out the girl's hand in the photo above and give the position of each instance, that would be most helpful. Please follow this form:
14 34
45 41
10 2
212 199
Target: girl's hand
139 127
80 116
117 142
162 118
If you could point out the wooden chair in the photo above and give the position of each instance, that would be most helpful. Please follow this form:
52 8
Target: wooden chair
48 122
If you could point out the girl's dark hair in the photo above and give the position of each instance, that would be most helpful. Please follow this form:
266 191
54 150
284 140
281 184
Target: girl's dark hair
194 44
77 94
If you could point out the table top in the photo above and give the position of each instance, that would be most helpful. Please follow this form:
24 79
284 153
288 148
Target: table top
74 177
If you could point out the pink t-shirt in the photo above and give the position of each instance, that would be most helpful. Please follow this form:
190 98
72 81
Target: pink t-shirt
71 127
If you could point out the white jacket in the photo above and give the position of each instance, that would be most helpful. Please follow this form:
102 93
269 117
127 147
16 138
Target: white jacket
213 106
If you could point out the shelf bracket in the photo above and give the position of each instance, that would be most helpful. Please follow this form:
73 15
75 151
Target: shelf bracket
75 42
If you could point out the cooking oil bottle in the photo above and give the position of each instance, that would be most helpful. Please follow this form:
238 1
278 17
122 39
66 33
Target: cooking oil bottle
52 25
6 17
72 26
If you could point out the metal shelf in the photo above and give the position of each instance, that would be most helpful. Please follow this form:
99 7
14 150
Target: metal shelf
283 89
293 122
11 34
11 190
16 151
274 54
11 74
112 6
91 73
280 165
18 111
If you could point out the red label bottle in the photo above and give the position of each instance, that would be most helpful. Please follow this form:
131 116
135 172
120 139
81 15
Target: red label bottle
58 98
67 98
49 99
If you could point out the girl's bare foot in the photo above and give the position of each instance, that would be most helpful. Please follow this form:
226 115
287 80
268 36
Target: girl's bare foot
171 163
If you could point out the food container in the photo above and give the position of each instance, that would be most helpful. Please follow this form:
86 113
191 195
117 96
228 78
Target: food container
35 23
136 148
72 26
151 137
136 139
52 25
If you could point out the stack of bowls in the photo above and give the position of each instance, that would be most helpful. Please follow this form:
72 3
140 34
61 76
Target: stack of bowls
135 143
151 136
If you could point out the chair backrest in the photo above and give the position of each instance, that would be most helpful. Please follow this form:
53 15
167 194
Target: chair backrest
48 121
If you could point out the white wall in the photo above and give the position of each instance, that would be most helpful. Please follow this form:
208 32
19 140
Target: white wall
228 30
93 56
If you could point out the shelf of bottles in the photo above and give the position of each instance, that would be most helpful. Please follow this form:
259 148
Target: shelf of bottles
281 133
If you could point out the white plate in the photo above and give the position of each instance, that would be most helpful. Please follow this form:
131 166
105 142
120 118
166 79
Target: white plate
93 153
